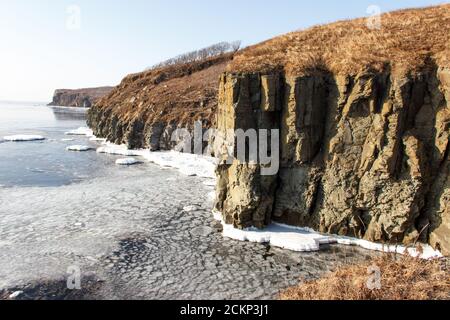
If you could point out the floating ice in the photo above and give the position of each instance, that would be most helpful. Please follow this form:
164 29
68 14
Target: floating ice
190 208
24 137
118 150
78 148
305 239
15 295
82 131
127 161
67 140
188 164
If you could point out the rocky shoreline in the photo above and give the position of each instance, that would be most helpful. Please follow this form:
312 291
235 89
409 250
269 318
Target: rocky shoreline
79 98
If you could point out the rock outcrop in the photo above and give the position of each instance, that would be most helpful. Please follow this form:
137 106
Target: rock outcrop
364 135
81 98
146 108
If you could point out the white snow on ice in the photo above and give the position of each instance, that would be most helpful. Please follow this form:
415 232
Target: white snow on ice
305 239
186 163
82 131
67 140
126 161
190 208
118 150
23 137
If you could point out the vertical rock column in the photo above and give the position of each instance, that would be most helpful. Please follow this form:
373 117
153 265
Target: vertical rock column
249 101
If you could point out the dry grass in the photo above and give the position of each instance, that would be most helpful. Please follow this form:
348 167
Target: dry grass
404 278
406 41
175 93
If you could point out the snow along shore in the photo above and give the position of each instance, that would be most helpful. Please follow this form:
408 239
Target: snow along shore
306 240
277 235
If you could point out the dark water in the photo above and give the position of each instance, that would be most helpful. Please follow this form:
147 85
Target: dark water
44 163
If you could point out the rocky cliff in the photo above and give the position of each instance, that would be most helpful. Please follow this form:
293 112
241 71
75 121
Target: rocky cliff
146 108
82 98
364 121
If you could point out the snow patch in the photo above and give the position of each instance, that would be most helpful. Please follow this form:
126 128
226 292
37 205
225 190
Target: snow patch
187 163
82 131
67 140
15 295
306 239
78 148
118 150
127 161
190 208
23 137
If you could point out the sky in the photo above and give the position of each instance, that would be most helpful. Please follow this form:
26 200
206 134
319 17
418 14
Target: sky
50 44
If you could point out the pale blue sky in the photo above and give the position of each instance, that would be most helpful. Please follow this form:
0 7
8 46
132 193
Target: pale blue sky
39 53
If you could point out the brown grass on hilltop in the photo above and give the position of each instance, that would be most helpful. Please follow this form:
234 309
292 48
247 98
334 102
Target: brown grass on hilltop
178 93
404 278
405 41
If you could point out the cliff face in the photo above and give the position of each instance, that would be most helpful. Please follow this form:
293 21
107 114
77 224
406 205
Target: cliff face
82 98
146 108
364 146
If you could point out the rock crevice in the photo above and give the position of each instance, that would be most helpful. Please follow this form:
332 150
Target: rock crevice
362 155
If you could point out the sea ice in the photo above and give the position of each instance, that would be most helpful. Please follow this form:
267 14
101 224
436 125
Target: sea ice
23 137
190 208
118 150
78 148
186 163
15 294
127 161
94 138
82 131
305 239
67 140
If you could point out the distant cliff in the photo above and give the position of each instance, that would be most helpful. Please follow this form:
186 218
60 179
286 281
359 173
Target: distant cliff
82 98
147 107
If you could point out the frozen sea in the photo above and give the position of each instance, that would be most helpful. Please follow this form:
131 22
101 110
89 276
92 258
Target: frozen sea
139 232
44 163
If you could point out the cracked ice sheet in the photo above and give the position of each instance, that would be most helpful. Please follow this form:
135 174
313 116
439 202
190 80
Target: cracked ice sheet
305 239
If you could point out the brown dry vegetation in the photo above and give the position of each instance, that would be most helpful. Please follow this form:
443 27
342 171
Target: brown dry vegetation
406 40
404 278
178 93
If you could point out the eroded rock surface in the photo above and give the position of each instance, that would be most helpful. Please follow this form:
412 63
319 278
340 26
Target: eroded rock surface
363 155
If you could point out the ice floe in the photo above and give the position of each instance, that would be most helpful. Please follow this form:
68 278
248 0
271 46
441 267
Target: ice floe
118 150
23 137
190 208
78 148
305 239
15 294
127 161
82 131
67 140
186 163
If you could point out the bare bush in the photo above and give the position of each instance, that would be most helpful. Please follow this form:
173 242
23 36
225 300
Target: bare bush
202 54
